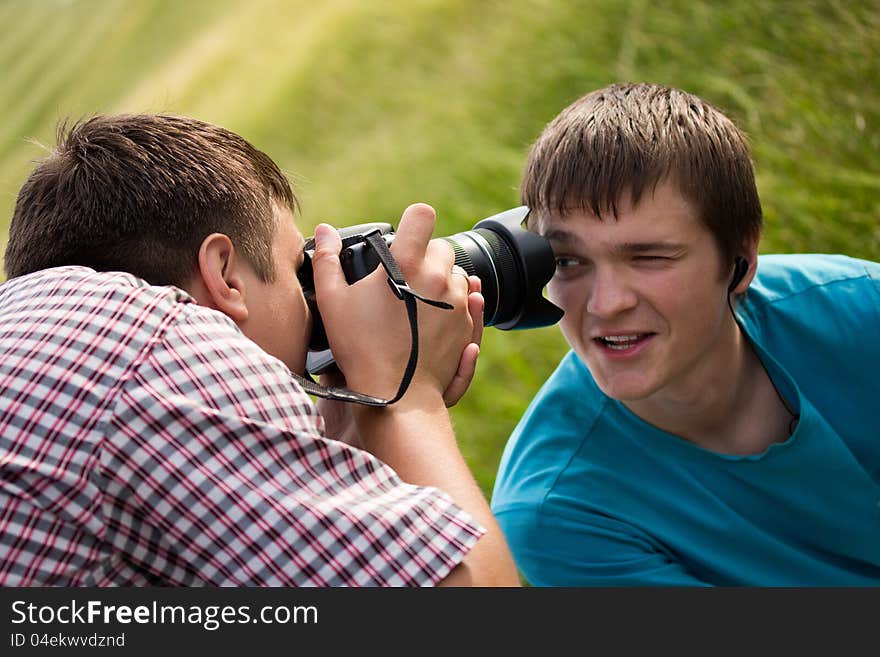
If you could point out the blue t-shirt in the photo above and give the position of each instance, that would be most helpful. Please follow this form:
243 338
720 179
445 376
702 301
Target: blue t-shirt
589 494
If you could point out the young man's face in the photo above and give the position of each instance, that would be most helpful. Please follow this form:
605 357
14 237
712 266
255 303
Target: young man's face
644 295
278 316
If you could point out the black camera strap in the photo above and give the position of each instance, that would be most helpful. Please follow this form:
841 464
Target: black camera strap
402 291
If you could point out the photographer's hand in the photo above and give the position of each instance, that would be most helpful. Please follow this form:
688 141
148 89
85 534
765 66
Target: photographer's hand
366 323
338 419
467 366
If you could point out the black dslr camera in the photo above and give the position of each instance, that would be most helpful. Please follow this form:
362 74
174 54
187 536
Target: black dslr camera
513 264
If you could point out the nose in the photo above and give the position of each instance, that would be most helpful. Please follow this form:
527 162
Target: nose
609 294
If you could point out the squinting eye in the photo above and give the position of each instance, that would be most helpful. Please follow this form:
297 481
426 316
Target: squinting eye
562 263
649 258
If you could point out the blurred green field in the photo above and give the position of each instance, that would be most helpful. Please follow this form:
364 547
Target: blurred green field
372 105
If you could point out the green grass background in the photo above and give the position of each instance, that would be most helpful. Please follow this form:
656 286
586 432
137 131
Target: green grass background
371 105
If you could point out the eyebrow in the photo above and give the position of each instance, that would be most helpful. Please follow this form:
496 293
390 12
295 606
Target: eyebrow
563 237
648 247
558 235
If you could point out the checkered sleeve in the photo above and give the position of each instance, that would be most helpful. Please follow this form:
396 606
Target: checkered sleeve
218 473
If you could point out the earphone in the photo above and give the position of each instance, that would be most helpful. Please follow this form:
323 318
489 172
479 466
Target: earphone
740 267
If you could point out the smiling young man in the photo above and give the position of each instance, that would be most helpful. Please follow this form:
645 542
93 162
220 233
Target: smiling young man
151 430
715 421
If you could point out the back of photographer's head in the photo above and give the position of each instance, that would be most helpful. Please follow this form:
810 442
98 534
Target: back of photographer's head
627 138
139 193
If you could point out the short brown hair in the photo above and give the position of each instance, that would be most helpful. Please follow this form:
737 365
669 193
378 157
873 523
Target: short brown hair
630 137
139 193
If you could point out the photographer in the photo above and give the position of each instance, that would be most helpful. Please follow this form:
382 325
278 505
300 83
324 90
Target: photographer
716 422
151 432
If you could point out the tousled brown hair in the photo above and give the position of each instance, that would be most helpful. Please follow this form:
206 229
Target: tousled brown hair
139 193
630 137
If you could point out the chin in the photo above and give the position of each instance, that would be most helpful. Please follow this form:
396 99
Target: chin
628 383
626 390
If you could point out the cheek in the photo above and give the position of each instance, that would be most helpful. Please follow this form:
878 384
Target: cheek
667 294
695 310
566 295
571 298
302 317
294 310
291 324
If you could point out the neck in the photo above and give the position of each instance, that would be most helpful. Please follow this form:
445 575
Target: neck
726 404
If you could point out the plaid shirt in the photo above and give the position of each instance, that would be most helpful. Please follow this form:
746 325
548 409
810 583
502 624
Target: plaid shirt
145 441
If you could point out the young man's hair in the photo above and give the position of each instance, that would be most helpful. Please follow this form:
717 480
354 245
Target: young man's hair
139 193
631 137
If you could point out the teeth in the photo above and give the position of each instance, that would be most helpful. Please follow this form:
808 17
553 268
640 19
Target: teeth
620 342
620 338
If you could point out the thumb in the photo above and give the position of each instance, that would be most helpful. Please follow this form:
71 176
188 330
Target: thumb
326 267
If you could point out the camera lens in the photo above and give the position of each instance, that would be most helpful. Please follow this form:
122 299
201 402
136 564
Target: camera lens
482 253
514 265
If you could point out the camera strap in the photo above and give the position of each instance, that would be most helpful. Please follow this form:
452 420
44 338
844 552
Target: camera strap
402 291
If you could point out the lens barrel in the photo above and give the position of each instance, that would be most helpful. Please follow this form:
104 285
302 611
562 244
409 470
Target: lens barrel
514 265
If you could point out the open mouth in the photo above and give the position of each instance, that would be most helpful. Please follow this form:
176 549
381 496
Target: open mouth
622 343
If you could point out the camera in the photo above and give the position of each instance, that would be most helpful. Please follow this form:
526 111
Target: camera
513 264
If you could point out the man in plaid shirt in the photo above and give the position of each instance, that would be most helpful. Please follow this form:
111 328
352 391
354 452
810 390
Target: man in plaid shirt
150 430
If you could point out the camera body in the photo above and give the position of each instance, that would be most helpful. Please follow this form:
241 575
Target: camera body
513 264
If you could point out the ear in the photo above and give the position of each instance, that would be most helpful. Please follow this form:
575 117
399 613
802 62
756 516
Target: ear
750 253
222 283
